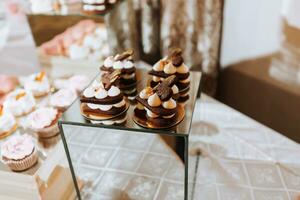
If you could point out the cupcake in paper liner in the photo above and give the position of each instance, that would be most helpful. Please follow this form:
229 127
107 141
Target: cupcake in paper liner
19 152
38 84
20 102
43 121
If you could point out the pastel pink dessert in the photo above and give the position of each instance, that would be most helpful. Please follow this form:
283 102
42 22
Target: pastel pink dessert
19 152
76 82
43 121
62 99
7 84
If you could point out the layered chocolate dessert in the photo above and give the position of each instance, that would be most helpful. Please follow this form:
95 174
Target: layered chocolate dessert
157 104
127 81
173 64
103 102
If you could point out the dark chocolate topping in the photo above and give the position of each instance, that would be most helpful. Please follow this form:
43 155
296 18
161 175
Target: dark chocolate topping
124 55
177 60
108 79
161 111
163 90
106 101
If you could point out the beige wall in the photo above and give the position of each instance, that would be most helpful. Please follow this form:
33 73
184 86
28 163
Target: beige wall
251 28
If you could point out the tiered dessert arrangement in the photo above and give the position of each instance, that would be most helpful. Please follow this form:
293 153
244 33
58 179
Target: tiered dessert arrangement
157 107
103 102
127 81
173 65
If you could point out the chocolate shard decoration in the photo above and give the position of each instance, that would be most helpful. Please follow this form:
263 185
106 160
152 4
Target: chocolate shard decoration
177 60
124 55
164 90
175 52
109 78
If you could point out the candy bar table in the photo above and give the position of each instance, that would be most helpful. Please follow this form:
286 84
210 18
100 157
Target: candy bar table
105 149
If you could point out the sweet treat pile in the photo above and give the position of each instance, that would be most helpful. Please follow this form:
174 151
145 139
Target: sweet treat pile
8 123
19 152
104 101
157 104
123 62
84 40
172 65
20 102
43 121
38 84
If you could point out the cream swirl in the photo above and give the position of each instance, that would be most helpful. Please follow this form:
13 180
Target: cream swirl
182 69
158 66
63 98
106 107
170 104
7 121
145 93
127 64
113 91
170 68
17 147
42 118
154 100
109 61
19 102
151 114
38 84
175 89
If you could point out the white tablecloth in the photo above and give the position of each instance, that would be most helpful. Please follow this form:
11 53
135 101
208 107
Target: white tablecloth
241 159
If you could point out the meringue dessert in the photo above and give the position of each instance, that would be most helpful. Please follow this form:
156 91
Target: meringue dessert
157 105
19 152
20 102
123 62
75 82
172 65
104 101
62 99
43 122
8 123
38 84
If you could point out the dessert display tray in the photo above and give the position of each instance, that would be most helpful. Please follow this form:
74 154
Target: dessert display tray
74 117
44 179
74 127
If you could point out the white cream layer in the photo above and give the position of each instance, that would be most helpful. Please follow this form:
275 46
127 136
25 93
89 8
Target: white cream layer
106 107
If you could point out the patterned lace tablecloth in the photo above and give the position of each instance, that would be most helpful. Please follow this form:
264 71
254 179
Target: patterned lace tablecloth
240 158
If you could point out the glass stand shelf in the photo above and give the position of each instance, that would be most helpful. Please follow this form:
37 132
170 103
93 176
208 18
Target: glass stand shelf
126 160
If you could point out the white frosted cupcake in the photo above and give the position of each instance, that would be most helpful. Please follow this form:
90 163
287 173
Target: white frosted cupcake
19 152
19 102
62 99
8 123
38 84
43 121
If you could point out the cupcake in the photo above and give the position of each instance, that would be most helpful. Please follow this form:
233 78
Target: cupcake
43 121
172 65
19 152
104 102
38 84
127 81
62 99
20 102
157 105
8 123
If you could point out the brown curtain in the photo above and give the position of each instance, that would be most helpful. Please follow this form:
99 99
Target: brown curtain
152 27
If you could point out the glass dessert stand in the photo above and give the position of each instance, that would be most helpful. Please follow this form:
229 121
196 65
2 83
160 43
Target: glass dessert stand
129 161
